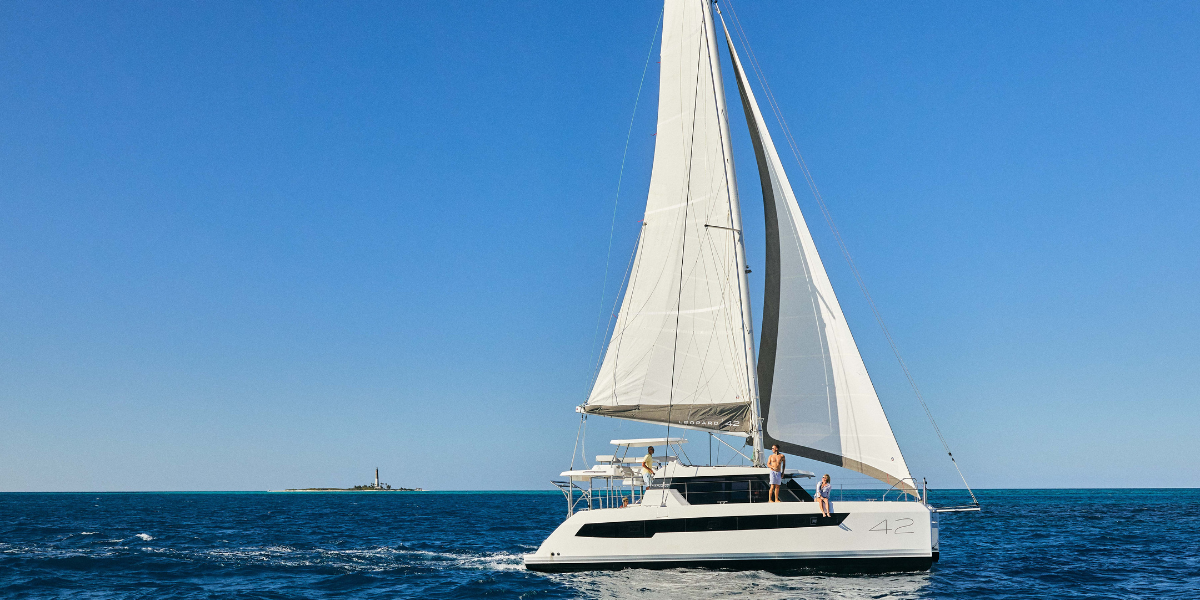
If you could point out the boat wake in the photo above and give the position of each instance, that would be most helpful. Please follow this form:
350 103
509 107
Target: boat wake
346 560
696 583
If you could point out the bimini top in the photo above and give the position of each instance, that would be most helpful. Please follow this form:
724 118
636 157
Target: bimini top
643 442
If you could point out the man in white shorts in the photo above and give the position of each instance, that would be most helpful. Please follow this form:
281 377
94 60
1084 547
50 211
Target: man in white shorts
648 467
775 462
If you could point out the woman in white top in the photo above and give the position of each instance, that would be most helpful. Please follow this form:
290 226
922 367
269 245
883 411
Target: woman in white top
823 495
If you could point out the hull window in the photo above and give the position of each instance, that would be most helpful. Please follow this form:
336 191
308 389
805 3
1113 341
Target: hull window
735 490
645 529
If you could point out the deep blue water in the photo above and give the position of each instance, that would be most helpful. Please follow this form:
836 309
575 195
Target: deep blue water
1025 544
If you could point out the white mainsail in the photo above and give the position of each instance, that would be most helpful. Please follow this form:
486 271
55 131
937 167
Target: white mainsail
681 351
816 396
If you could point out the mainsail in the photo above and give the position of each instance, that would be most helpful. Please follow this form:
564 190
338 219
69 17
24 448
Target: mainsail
682 348
816 397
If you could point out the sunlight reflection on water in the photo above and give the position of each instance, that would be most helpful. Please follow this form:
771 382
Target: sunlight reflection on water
696 583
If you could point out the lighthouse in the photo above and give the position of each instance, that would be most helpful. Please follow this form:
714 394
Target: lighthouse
376 477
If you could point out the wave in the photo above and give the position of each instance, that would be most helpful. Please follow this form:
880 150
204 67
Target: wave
368 559
1077 544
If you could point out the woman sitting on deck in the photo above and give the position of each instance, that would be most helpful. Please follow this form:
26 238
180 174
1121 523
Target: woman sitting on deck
823 495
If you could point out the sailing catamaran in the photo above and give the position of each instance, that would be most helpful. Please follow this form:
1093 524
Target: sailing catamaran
682 354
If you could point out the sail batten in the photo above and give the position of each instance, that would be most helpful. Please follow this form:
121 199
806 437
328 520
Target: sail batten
817 400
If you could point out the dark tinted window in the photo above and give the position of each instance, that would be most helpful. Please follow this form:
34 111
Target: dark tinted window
733 490
664 526
796 491
647 528
631 529
758 522
622 529
712 524
787 521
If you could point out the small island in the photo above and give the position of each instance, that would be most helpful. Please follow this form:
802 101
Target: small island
370 487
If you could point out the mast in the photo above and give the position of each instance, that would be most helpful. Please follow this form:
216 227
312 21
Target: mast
735 211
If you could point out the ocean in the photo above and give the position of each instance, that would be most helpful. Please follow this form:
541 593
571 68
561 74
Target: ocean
1024 544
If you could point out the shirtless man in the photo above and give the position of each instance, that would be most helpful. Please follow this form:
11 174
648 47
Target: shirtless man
775 462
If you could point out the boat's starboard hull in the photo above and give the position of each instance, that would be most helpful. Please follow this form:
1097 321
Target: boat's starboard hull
860 537
772 563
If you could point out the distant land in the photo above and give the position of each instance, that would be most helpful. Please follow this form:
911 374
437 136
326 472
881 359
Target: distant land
357 488
369 487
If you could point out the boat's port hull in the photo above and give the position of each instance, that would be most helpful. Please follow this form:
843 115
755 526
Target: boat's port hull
861 537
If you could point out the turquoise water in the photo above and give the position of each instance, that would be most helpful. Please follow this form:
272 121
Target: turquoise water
1024 544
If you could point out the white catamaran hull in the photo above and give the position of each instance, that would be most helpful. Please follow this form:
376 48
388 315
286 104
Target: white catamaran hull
859 537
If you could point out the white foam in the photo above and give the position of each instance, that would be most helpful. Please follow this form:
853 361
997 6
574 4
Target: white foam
379 558
500 561
689 583
145 537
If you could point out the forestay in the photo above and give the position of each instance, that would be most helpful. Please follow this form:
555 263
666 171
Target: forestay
680 352
816 398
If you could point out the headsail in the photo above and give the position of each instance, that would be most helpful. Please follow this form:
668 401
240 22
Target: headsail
680 352
817 398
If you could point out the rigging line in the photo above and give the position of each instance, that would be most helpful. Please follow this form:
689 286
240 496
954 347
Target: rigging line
735 450
724 289
578 431
636 269
620 177
679 450
609 329
683 247
841 243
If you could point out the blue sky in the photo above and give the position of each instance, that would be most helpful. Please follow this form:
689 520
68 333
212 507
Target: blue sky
262 245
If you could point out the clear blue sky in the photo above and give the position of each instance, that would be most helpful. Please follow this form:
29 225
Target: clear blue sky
251 245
